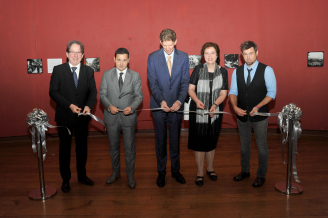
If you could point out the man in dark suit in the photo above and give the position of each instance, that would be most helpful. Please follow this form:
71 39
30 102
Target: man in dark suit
121 94
73 88
168 76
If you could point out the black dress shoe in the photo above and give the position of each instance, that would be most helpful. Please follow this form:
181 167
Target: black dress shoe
86 181
65 187
178 176
199 180
212 175
160 180
241 176
258 182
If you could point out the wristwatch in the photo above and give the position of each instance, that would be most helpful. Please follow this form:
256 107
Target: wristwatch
216 105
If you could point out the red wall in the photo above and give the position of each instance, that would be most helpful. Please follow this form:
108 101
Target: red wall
284 31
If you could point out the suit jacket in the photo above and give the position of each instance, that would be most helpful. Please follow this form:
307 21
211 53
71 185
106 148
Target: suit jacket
164 87
63 92
131 95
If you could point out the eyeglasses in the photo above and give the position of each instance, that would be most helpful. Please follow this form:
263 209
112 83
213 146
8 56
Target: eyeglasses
73 52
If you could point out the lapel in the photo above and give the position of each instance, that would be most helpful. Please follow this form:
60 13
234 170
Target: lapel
69 75
175 61
163 61
127 78
82 76
114 79
127 82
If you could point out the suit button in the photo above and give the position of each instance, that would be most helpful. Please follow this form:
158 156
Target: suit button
119 97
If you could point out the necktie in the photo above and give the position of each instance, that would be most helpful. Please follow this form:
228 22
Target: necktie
249 77
120 81
75 76
169 64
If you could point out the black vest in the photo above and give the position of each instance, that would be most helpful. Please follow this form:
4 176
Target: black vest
249 97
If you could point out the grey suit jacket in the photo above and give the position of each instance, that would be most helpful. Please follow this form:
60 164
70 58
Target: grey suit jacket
131 95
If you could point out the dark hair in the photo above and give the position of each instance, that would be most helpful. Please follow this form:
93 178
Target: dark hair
121 51
75 42
215 46
247 45
168 35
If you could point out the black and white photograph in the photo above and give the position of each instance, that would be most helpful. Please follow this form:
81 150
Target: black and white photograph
94 63
194 60
34 66
231 60
315 59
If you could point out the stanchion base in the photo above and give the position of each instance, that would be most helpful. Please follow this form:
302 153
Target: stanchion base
295 190
36 193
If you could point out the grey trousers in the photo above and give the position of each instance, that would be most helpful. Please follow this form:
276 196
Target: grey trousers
129 146
260 131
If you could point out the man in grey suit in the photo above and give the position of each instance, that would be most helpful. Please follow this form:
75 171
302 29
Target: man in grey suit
121 94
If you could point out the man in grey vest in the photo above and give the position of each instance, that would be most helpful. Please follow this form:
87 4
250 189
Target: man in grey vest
121 94
255 85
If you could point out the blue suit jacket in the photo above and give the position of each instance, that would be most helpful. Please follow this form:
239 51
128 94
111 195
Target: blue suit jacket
164 87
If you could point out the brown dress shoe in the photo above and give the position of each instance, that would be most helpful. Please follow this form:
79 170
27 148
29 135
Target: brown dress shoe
86 181
241 176
179 177
65 187
160 180
258 182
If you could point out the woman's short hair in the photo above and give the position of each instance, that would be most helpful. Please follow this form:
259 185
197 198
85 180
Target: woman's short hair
213 45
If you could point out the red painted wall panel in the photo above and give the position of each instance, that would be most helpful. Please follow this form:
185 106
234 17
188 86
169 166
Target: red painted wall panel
284 31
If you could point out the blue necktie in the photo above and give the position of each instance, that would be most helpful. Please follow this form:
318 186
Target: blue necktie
75 76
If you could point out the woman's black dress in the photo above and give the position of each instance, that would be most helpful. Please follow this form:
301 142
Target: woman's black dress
209 141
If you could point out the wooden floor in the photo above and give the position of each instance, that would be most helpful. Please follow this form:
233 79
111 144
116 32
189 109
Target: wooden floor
222 198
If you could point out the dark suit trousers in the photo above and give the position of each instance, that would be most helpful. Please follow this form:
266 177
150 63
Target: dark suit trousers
174 119
79 126
129 146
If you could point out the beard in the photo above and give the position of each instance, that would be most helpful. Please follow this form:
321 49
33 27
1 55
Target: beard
250 63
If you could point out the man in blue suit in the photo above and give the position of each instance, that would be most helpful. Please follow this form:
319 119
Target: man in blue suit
168 76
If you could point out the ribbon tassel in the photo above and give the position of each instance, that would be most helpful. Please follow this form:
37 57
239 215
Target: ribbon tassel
37 121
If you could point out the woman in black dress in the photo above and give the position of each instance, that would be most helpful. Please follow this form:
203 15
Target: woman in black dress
208 88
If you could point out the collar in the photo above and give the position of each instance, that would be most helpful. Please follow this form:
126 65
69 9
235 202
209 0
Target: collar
167 56
77 66
254 67
124 71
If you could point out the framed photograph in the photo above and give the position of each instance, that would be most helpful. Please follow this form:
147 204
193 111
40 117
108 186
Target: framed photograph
94 63
34 66
194 60
52 62
315 59
231 60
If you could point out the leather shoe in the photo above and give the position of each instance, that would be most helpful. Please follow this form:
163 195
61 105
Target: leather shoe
131 182
86 181
199 180
212 175
241 176
178 176
160 180
258 182
65 187
113 177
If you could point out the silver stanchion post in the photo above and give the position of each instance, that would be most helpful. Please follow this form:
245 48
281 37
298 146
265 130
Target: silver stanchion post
289 187
44 192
